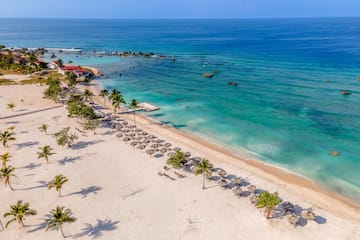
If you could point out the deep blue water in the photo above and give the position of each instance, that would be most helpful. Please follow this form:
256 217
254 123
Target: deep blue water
287 108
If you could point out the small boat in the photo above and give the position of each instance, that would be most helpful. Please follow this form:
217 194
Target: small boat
208 75
233 83
345 92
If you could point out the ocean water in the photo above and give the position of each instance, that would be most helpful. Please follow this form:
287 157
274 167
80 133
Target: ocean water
287 109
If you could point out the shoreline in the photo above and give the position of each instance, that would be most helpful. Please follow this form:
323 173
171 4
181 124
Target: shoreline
285 179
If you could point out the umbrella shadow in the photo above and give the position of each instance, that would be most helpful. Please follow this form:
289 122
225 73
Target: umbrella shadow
83 144
84 192
97 230
68 160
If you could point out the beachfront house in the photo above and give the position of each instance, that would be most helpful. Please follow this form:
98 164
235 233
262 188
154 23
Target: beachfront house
78 71
53 65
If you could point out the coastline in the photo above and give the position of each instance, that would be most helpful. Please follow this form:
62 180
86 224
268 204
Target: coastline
284 179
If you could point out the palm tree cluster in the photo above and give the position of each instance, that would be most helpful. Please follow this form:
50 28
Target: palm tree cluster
116 99
20 210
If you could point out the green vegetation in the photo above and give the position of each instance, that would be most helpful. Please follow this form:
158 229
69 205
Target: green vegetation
64 137
177 160
54 89
18 211
43 128
11 106
203 167
58 183
59 216
87 94
91 124
104 93
5 137
45 152
4 159
268 201
6 173
134 103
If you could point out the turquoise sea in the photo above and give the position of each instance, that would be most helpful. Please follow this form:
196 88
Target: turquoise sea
287 109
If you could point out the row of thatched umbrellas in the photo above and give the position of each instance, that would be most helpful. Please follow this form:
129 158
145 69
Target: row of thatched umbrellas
152 145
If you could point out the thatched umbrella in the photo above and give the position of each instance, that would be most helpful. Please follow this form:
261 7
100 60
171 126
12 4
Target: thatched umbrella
163 150
126 139
150 151
144 133
237 191
293 220
134 143
139 138
254 198
154 146
119 135
251 188
288 207
187 154
141 146
170 154
160 141
223 183
222 173
167 144
308 215
236 180
138 130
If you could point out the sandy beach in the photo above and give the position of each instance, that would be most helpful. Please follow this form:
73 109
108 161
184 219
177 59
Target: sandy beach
115 192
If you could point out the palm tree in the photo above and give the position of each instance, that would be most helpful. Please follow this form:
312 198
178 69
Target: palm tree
60 62
59 216
114 93
11 106
11 128
134 103
87 94
57 183
104 93
45 152
44 128
6 173
203 167
18 212
268 201
116 101
5 158
5 137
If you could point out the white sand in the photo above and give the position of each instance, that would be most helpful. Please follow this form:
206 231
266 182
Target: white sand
130 200
15 77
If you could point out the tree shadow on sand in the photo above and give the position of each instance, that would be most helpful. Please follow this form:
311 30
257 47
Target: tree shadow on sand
82 144
31 166
26 144
40 226
97 230
42 184
67 160
84 192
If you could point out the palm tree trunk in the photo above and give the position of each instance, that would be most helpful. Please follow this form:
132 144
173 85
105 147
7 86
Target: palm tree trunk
10 186
203 181
59 192
268 212
22 223
62 232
